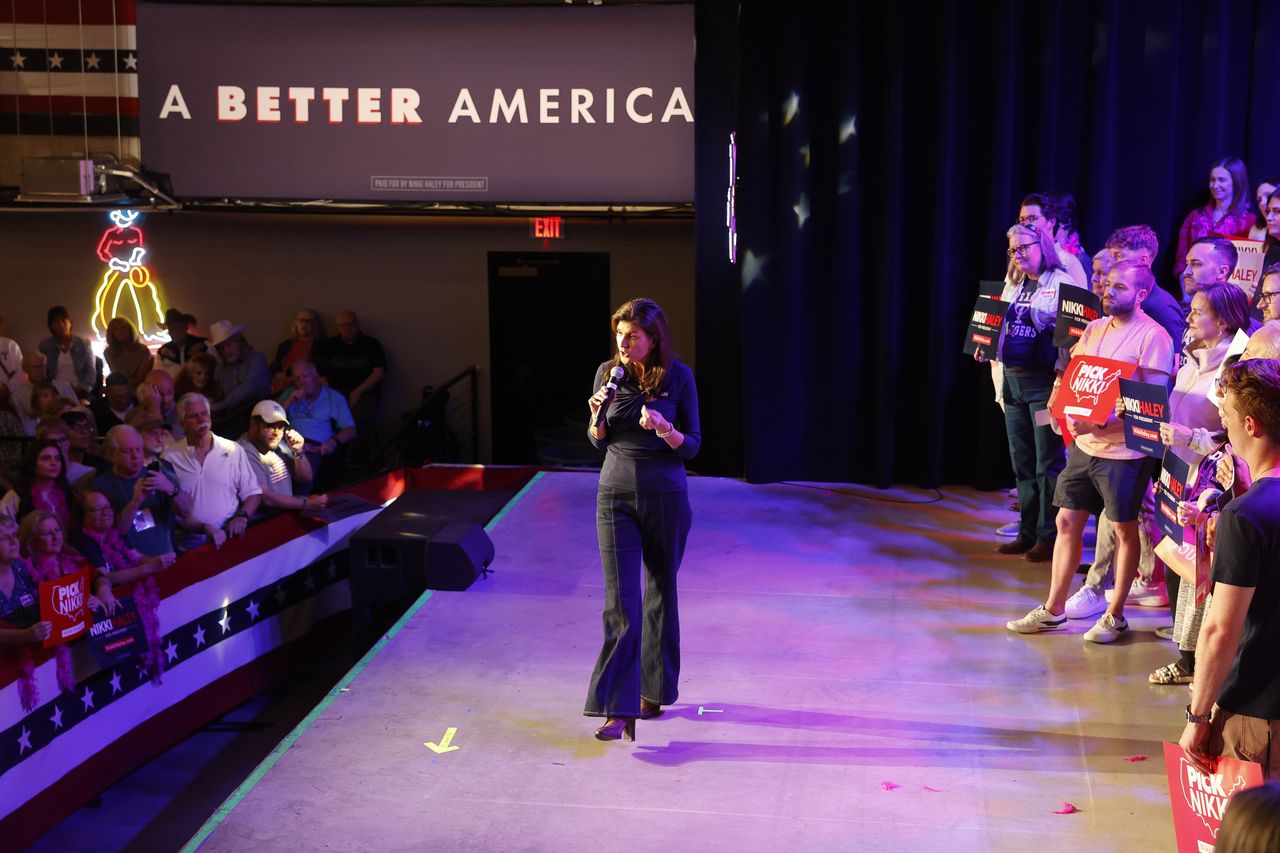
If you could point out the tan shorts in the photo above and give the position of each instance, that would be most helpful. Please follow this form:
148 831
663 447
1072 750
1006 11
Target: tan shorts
1246 738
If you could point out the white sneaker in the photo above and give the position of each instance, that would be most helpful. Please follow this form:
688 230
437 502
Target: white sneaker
1087 602
1144 594
1011 529
1148 593
1107 629
1036 621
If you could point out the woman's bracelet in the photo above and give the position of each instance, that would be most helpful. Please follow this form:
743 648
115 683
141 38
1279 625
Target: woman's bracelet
665 434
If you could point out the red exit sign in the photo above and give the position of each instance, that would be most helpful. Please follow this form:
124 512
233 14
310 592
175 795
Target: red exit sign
547 227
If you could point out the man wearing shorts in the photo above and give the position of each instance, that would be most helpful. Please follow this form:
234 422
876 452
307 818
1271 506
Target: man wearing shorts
1101 474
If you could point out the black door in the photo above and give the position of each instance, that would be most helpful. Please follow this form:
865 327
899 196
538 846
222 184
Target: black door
548 330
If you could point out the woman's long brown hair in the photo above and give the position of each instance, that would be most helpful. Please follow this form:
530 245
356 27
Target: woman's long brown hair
648 315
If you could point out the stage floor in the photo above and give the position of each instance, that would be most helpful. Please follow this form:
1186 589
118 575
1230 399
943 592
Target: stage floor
848 684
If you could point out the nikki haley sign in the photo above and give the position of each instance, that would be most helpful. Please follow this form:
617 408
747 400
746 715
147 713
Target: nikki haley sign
419 103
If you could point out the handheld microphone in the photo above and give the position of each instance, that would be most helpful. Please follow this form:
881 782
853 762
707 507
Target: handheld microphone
611 386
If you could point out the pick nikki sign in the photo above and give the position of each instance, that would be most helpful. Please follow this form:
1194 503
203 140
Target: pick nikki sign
1146 406
1077 308
64 601
1199 799
1089 388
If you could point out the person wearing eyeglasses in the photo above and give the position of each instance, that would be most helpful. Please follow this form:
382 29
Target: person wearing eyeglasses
1102 475
1269 290
1027 361
1044 211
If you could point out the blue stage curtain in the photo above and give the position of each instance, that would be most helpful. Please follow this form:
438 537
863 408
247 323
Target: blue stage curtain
883 150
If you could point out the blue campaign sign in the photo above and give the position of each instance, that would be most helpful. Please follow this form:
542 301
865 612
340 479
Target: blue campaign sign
1174 485
1146 406
1077 308
983 333
119 637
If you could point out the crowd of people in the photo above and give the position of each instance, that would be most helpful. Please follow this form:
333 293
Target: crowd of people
118 463
1223 420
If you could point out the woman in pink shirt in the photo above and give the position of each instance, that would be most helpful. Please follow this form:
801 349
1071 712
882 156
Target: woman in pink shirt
1227 213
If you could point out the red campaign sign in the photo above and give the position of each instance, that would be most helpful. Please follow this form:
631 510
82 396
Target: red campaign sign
1198 799
1089 388
65 602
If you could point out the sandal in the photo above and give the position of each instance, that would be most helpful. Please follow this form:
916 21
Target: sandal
1170 674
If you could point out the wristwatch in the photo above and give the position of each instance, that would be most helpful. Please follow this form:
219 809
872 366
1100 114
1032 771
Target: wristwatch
1198 719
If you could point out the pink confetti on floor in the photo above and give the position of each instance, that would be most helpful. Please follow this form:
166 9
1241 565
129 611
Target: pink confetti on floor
1067 808
889 786
931 790
1135 758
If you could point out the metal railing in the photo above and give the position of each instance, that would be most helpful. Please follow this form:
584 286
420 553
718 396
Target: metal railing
431 431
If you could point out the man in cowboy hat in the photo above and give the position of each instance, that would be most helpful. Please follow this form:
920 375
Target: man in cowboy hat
243 375
181 346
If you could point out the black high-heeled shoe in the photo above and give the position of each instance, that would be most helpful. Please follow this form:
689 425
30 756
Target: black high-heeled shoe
649 710
616 728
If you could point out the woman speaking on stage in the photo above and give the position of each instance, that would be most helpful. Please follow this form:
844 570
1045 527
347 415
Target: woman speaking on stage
650 427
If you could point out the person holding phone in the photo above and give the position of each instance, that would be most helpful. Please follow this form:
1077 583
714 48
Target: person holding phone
276 455
145 497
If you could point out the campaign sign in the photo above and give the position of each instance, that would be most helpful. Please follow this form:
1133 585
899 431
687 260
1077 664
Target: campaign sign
65 602
984 326
1199 799
119 637
1146 406
1077 308
1248 271
1173 486
1089 388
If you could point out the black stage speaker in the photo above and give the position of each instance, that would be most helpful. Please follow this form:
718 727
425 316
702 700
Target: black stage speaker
419 542
459 553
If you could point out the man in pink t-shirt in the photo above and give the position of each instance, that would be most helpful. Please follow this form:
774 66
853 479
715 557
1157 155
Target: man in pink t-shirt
1102 474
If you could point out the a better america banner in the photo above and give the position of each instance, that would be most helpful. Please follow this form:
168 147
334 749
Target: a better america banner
423 104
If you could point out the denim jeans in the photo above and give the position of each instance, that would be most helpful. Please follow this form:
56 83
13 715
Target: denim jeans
641 652
1036 452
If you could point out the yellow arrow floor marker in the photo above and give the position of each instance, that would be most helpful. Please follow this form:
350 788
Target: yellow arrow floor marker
443 745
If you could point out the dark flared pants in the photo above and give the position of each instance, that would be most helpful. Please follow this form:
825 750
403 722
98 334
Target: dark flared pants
638 531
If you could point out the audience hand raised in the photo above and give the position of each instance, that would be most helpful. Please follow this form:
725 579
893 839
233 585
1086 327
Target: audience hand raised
1175 434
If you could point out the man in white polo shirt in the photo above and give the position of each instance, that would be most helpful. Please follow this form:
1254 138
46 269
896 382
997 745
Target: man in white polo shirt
217 475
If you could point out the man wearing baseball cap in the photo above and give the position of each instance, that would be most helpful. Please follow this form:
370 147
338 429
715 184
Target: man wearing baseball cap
276 457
